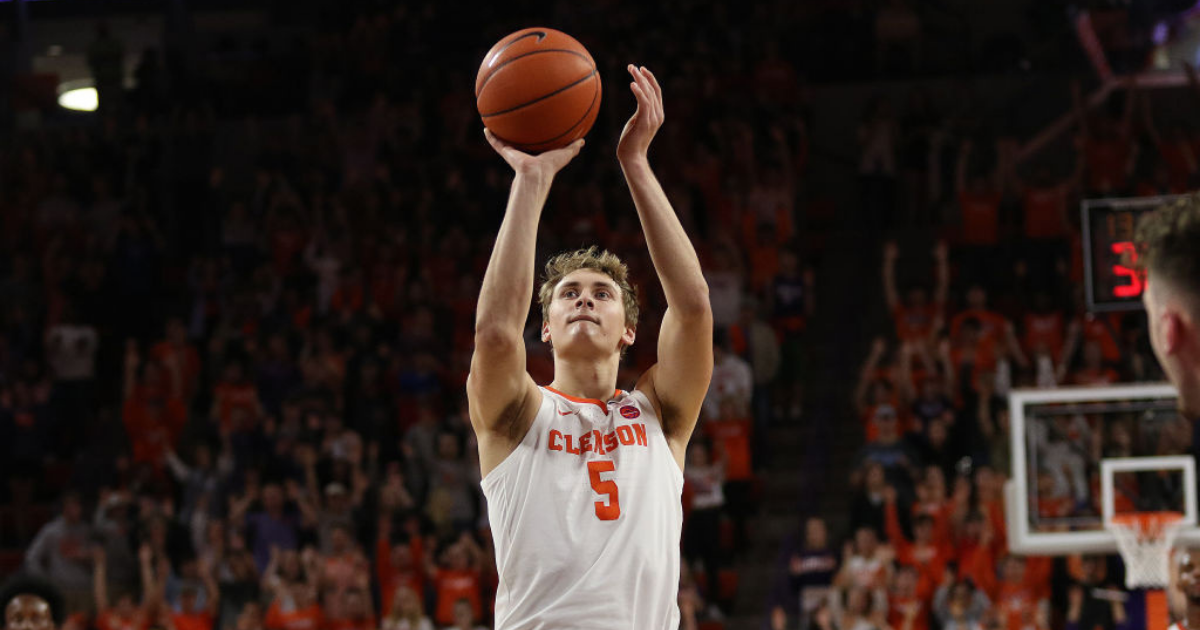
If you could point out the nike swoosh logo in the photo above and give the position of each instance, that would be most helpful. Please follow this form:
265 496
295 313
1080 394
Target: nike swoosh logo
540 35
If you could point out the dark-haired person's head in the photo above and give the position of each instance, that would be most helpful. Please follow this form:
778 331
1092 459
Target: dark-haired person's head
31 604
970 331
1169 247
923 529
916 296
72 507
1188 579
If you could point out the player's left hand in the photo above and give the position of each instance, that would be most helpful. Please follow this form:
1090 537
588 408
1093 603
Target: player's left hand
646 119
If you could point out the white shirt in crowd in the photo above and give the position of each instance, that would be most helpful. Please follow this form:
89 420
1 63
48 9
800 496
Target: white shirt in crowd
71 351
732 378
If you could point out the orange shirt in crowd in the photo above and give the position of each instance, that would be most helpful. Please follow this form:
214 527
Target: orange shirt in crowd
929 560
366 623
1043 329
1045 210
153 422
1101 331
734 437
993 510
186 358
1017 604
764 266
452 586
991 324
897 607
978 562
1053 507
192 621
348 299
1094 376
231 396
309 618
980 217
941 513
1037 573
904 421
982 357
390 577
916 324
110 620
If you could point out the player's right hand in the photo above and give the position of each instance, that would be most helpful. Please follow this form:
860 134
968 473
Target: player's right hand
545 165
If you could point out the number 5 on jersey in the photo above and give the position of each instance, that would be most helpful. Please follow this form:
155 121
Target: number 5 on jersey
610 510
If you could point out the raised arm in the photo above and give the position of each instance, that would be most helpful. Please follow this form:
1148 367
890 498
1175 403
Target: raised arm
890 252
99 578
892 523
1014 345
678 382
502 396
212 594
150 587
941 292
867 374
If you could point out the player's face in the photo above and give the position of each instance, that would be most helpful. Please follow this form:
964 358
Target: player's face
28 612
1189 575
587 316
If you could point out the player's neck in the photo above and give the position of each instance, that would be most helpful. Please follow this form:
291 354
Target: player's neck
586 378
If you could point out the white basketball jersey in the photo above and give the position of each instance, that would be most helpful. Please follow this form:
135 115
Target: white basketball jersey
586 518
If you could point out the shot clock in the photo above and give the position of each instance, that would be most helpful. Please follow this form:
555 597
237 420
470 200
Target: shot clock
1111 275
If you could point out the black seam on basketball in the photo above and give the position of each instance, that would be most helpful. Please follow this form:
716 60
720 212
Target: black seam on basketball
595 95
532 52
540 98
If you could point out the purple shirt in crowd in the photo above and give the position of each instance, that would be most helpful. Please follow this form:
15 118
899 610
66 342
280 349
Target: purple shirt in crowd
268 531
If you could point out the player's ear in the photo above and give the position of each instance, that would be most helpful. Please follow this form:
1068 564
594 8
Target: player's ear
628 336
545 332
1173 331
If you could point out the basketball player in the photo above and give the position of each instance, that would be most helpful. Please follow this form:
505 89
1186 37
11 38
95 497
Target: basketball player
583 480
31 604
1169 240
1187 580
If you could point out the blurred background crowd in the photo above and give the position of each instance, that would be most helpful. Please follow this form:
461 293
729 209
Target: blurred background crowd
237 305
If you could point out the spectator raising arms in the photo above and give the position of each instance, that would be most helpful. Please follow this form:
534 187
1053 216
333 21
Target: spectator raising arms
918 317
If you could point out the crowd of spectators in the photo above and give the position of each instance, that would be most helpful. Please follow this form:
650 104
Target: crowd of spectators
974 311
236 314
234 343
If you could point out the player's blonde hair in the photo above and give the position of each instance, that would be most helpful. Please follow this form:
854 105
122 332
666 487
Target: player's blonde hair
1169 245
596 259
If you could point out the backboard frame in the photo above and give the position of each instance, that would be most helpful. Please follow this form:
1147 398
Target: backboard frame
1021 540
1112 465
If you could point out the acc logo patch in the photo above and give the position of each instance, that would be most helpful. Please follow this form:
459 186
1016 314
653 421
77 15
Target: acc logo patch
629 411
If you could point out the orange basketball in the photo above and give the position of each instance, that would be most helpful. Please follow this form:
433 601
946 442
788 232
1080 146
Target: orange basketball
538 89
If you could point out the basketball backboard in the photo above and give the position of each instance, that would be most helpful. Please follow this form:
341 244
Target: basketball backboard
1082 454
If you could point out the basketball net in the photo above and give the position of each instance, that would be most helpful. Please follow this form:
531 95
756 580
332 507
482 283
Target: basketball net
1145 540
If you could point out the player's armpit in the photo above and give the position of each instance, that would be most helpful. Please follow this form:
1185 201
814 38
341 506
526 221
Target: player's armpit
501 396
679 381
